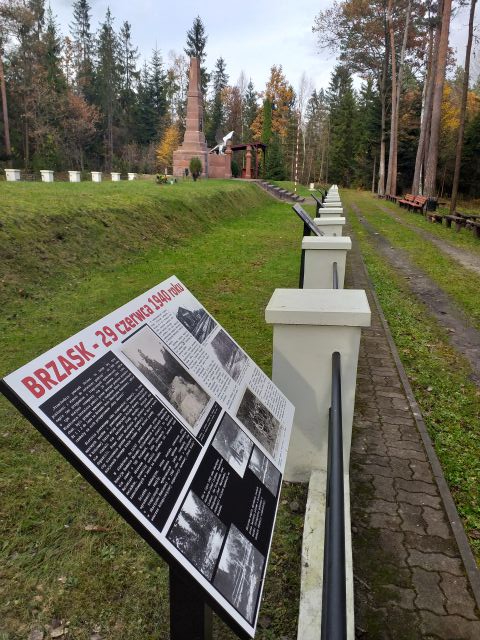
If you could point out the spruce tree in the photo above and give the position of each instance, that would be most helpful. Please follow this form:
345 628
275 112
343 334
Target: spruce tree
53 51
196 41
83 44
275 161
343 131
158 91
216 116
129 78
108 82
250 110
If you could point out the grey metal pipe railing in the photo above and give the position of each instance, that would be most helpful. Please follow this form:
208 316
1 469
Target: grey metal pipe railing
335 276
308 227
319 204
334 599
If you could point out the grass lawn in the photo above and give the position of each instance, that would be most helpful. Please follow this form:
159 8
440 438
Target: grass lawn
67 258
449 401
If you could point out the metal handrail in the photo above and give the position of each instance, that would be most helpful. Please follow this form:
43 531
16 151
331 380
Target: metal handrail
334 600
319 204
335 276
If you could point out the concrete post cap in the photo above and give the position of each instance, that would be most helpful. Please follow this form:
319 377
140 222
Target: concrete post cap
327 242
328 307
325 220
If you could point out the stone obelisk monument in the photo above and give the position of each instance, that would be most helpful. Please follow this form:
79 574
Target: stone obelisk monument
194 143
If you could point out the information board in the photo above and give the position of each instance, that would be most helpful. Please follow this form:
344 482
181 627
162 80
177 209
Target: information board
166 415
303 215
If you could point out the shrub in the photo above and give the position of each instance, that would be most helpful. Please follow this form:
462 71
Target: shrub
235 169
195 167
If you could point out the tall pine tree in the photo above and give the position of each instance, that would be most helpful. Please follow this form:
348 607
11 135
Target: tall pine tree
108 82
82 44
196 41
343 131
216 115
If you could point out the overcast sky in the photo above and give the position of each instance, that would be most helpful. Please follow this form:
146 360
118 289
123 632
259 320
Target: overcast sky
251 35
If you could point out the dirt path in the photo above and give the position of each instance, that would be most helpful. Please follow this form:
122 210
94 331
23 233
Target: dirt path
463 337
466 258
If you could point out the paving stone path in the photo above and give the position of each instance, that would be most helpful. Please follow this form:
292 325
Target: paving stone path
411 579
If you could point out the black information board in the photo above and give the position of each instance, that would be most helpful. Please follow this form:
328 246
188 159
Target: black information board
307 221
170 420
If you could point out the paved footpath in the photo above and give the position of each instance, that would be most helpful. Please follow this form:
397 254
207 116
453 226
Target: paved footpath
410 556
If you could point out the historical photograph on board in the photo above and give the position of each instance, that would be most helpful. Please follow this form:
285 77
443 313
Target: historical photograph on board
146 351
233 444
196 320
239 573
265 471
258 419
230 356
198 534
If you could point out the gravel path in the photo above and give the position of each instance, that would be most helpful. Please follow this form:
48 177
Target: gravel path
466 258
463 337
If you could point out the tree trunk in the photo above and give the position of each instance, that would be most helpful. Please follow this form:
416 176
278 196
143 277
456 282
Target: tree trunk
383 133
393 116
381 167
463 110
401 66
6 126
432 158
426 110
373 176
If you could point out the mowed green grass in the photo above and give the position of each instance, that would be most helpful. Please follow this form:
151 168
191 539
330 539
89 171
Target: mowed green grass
449 401
64 554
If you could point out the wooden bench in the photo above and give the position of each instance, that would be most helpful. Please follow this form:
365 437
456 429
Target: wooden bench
408 199
420 202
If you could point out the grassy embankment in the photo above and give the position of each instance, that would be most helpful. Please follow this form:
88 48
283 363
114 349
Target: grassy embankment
449 401
69 254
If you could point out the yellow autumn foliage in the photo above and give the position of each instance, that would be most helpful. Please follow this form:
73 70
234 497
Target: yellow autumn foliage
169 143
451 108
281 95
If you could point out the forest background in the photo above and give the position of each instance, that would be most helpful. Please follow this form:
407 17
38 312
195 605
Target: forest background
84 100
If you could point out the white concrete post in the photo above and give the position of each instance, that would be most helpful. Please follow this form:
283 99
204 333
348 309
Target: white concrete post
74 176
115 176
132 176
330 226
320 254
331 211
47 175
333 201
96 176
309 325
12 175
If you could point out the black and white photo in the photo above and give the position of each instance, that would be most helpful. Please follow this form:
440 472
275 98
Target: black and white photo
233 444
146 351
230 356
196 321
265 471
258 420
239 573
198 534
